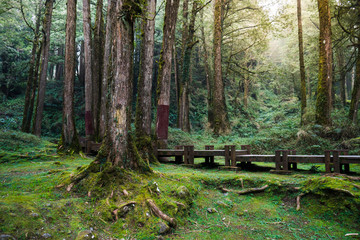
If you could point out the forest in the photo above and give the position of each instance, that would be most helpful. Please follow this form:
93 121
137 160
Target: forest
102 101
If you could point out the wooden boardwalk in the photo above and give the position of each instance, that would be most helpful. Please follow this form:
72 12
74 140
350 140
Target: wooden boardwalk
284 160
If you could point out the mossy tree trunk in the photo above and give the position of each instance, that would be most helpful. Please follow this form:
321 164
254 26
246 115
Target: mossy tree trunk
323 98
97 66
31 81
106 74
301 62
221 121
69 140
44 67
355 96
164 75
143 106
120 149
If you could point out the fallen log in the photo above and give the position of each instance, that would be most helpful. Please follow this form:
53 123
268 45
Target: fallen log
160 214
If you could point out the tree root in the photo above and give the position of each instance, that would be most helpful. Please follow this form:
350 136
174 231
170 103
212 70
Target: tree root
246 191
298 201
121 210
160 214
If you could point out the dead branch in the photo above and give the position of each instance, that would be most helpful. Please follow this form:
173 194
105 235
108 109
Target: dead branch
246 191
179 204
160 214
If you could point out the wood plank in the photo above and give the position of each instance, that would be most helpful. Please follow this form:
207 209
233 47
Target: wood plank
255 158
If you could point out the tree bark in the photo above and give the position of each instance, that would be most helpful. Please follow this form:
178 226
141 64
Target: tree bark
97 66
44 67
118 140
106 67
323 98
188 44
69 140
143 107
340 57
301 62
89 119
164 77
208 76
355 96
31 82
221 122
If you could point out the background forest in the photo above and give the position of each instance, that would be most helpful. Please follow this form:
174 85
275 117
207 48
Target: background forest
136 75
260 70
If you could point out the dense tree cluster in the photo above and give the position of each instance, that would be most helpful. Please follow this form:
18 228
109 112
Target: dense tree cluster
191 64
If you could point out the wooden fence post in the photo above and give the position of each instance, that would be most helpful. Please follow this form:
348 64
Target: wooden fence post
191 154
278 160
285 160
294 165
179 159
346 165
327 161
336 160
233 155
227 155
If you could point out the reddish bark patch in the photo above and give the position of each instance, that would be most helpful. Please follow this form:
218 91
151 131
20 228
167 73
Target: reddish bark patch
162 122
89 126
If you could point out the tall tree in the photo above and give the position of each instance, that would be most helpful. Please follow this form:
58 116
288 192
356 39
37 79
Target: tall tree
323 98
355 96
44 66
97 65
143 107
69 139
31 82
208 74
163 87
301 62
106 74
89 121
221 122
118 142
188 44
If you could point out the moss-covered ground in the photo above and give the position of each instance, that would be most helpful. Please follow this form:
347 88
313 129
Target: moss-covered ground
32 207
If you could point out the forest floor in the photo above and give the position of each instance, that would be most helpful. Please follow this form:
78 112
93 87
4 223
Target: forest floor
31 207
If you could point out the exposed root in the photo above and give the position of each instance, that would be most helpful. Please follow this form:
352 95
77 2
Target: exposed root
246 191
121 210
69 187
160 214
298 201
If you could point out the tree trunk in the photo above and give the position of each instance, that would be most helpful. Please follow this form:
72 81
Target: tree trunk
60 66
301 62
89 120
246 90
340 57
208 76
106 67
188 44
97 67
82 65
69 140
44 67
118 138
221 122
31 82
164 77
354 104
143 107
323 98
